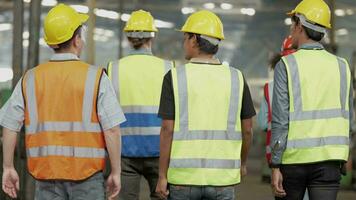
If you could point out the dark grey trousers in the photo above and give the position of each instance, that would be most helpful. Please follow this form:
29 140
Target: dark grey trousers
90 189
132 169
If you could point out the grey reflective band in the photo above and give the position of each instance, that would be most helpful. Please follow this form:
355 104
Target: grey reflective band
31 98
63 127
140 109
186 134
310 25
88 97
317 142
207 135
204 163
140 34
168 65
67 151
318 114
140 131
56 126
343 83
183 99
299 114
115 78
234 100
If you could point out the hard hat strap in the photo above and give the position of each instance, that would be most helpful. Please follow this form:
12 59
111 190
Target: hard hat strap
140 34
312 26
212 40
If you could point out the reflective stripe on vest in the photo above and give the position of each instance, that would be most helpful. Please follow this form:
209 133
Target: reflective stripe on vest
180 164
316 143
141 130
66 158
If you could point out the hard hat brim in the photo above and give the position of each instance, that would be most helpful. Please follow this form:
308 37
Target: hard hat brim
184 31
83 18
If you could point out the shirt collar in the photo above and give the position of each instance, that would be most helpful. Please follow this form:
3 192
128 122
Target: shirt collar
314 45
64 57
141 51
213 61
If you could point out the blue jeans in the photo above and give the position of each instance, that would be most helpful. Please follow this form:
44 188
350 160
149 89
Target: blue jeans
178 192
90 189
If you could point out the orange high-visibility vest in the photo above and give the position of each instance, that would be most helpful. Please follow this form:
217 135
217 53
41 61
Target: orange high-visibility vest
64 139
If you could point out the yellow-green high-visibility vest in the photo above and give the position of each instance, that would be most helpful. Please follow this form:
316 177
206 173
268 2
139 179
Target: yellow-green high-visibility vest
137 80
319 87
207 142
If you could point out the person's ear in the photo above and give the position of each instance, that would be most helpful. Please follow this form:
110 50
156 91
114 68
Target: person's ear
77 41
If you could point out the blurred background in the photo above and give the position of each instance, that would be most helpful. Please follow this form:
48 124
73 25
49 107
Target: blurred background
254 31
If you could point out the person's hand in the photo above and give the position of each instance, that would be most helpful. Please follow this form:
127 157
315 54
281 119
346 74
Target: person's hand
161 188
113 185
10 182
276 182
243 170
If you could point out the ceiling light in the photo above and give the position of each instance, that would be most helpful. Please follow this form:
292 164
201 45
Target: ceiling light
106 13
209 6
288 21
349 12
25 43
80 8
342 31
340 12
125 17
26 35
6 74
49 2
27 1
187 10
248 11
226 6
163 24
5 26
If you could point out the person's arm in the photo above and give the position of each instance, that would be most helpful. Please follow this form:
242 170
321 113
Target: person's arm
280 125
262 116
11 119
247 112
280 114
110 117
351 108
113 145
167 113
10 179
246 126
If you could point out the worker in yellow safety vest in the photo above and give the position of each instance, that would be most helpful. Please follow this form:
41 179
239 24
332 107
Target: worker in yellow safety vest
312 111
137 80
71 117
207 115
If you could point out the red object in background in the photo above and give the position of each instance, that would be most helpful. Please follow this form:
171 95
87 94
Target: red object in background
269 120
287 46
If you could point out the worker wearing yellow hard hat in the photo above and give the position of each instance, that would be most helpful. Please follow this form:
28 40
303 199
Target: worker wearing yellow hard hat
312 111
207 113
137 79
71 117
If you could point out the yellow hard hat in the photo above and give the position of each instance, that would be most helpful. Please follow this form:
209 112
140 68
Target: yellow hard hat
204 22
315 11
141 20
60 24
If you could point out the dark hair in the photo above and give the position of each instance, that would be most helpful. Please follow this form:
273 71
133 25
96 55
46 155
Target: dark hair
274 60
66 44
137 43
314 35
204 45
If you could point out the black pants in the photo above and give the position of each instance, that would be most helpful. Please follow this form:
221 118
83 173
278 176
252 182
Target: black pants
321 179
